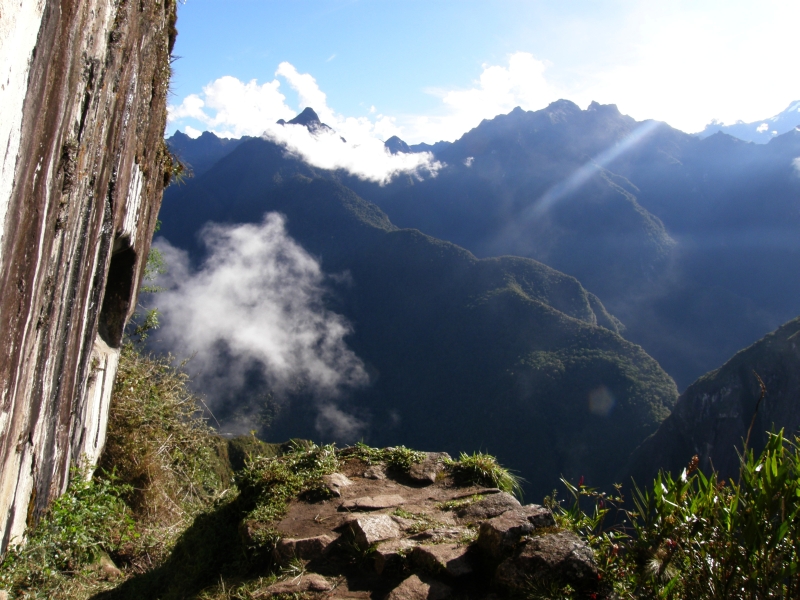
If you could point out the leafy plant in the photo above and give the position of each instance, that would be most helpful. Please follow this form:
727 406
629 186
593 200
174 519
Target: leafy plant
695 536
89 519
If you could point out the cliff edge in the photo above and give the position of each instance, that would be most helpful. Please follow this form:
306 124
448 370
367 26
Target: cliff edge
82 116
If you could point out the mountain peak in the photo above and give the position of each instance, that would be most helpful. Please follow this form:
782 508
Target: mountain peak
307 117
395 145
310 120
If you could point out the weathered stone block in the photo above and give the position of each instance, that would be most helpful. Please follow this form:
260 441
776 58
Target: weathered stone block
304 548
502 533
488 508
370 529
442 558
538 516
307 583
428 470
375 472
562 557
415 588
335 482
390 555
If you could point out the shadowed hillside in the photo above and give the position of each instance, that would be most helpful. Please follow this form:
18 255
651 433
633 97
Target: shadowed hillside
503 354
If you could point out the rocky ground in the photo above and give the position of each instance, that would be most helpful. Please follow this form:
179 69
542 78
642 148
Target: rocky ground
422 535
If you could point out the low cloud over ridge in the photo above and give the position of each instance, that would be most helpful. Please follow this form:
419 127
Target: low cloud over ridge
232 108
256 303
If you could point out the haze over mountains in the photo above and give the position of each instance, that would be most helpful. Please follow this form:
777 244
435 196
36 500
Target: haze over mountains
759 132
636 220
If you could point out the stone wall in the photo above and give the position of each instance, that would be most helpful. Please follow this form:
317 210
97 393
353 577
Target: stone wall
83 92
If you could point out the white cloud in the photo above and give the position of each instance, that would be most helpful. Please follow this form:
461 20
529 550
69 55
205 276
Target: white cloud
257 300
192 132
334 422
689 63
232 108
499 90
308 91
796 163
762 128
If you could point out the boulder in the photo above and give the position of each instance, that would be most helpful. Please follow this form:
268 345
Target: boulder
370 529
538 515
561 557
428 470
372 502
442 558
335 482
488 508
311 582
415 588
303 548
375 472
390 555
501 534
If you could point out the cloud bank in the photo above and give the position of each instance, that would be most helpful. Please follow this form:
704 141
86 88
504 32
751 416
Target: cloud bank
254 311
499 90
232 108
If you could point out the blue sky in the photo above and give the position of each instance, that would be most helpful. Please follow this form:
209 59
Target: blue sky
429 70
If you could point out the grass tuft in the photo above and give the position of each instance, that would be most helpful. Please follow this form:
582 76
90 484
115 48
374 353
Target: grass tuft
483 469
399 458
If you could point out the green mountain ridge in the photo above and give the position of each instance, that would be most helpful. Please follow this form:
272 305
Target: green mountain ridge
713 416
500 354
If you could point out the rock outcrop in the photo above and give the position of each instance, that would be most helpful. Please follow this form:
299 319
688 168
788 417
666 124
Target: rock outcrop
402 538
713 416
82 116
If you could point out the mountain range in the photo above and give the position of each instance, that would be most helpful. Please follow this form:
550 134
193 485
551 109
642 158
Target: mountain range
662 226
759 132
501 354
653 226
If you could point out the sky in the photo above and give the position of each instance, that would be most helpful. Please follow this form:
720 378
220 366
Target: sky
428 70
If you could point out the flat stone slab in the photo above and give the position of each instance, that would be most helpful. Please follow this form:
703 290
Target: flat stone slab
335 482
372 502
442 558
305 583
370 529
415 588
437 535
304 548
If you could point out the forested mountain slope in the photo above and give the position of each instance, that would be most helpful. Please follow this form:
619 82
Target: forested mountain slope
713 416
503 354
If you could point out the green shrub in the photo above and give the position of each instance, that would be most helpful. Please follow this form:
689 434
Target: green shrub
400 457
88 520
698 537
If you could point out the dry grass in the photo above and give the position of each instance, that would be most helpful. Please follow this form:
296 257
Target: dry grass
158 444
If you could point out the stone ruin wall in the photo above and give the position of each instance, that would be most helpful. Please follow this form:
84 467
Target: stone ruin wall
83 89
